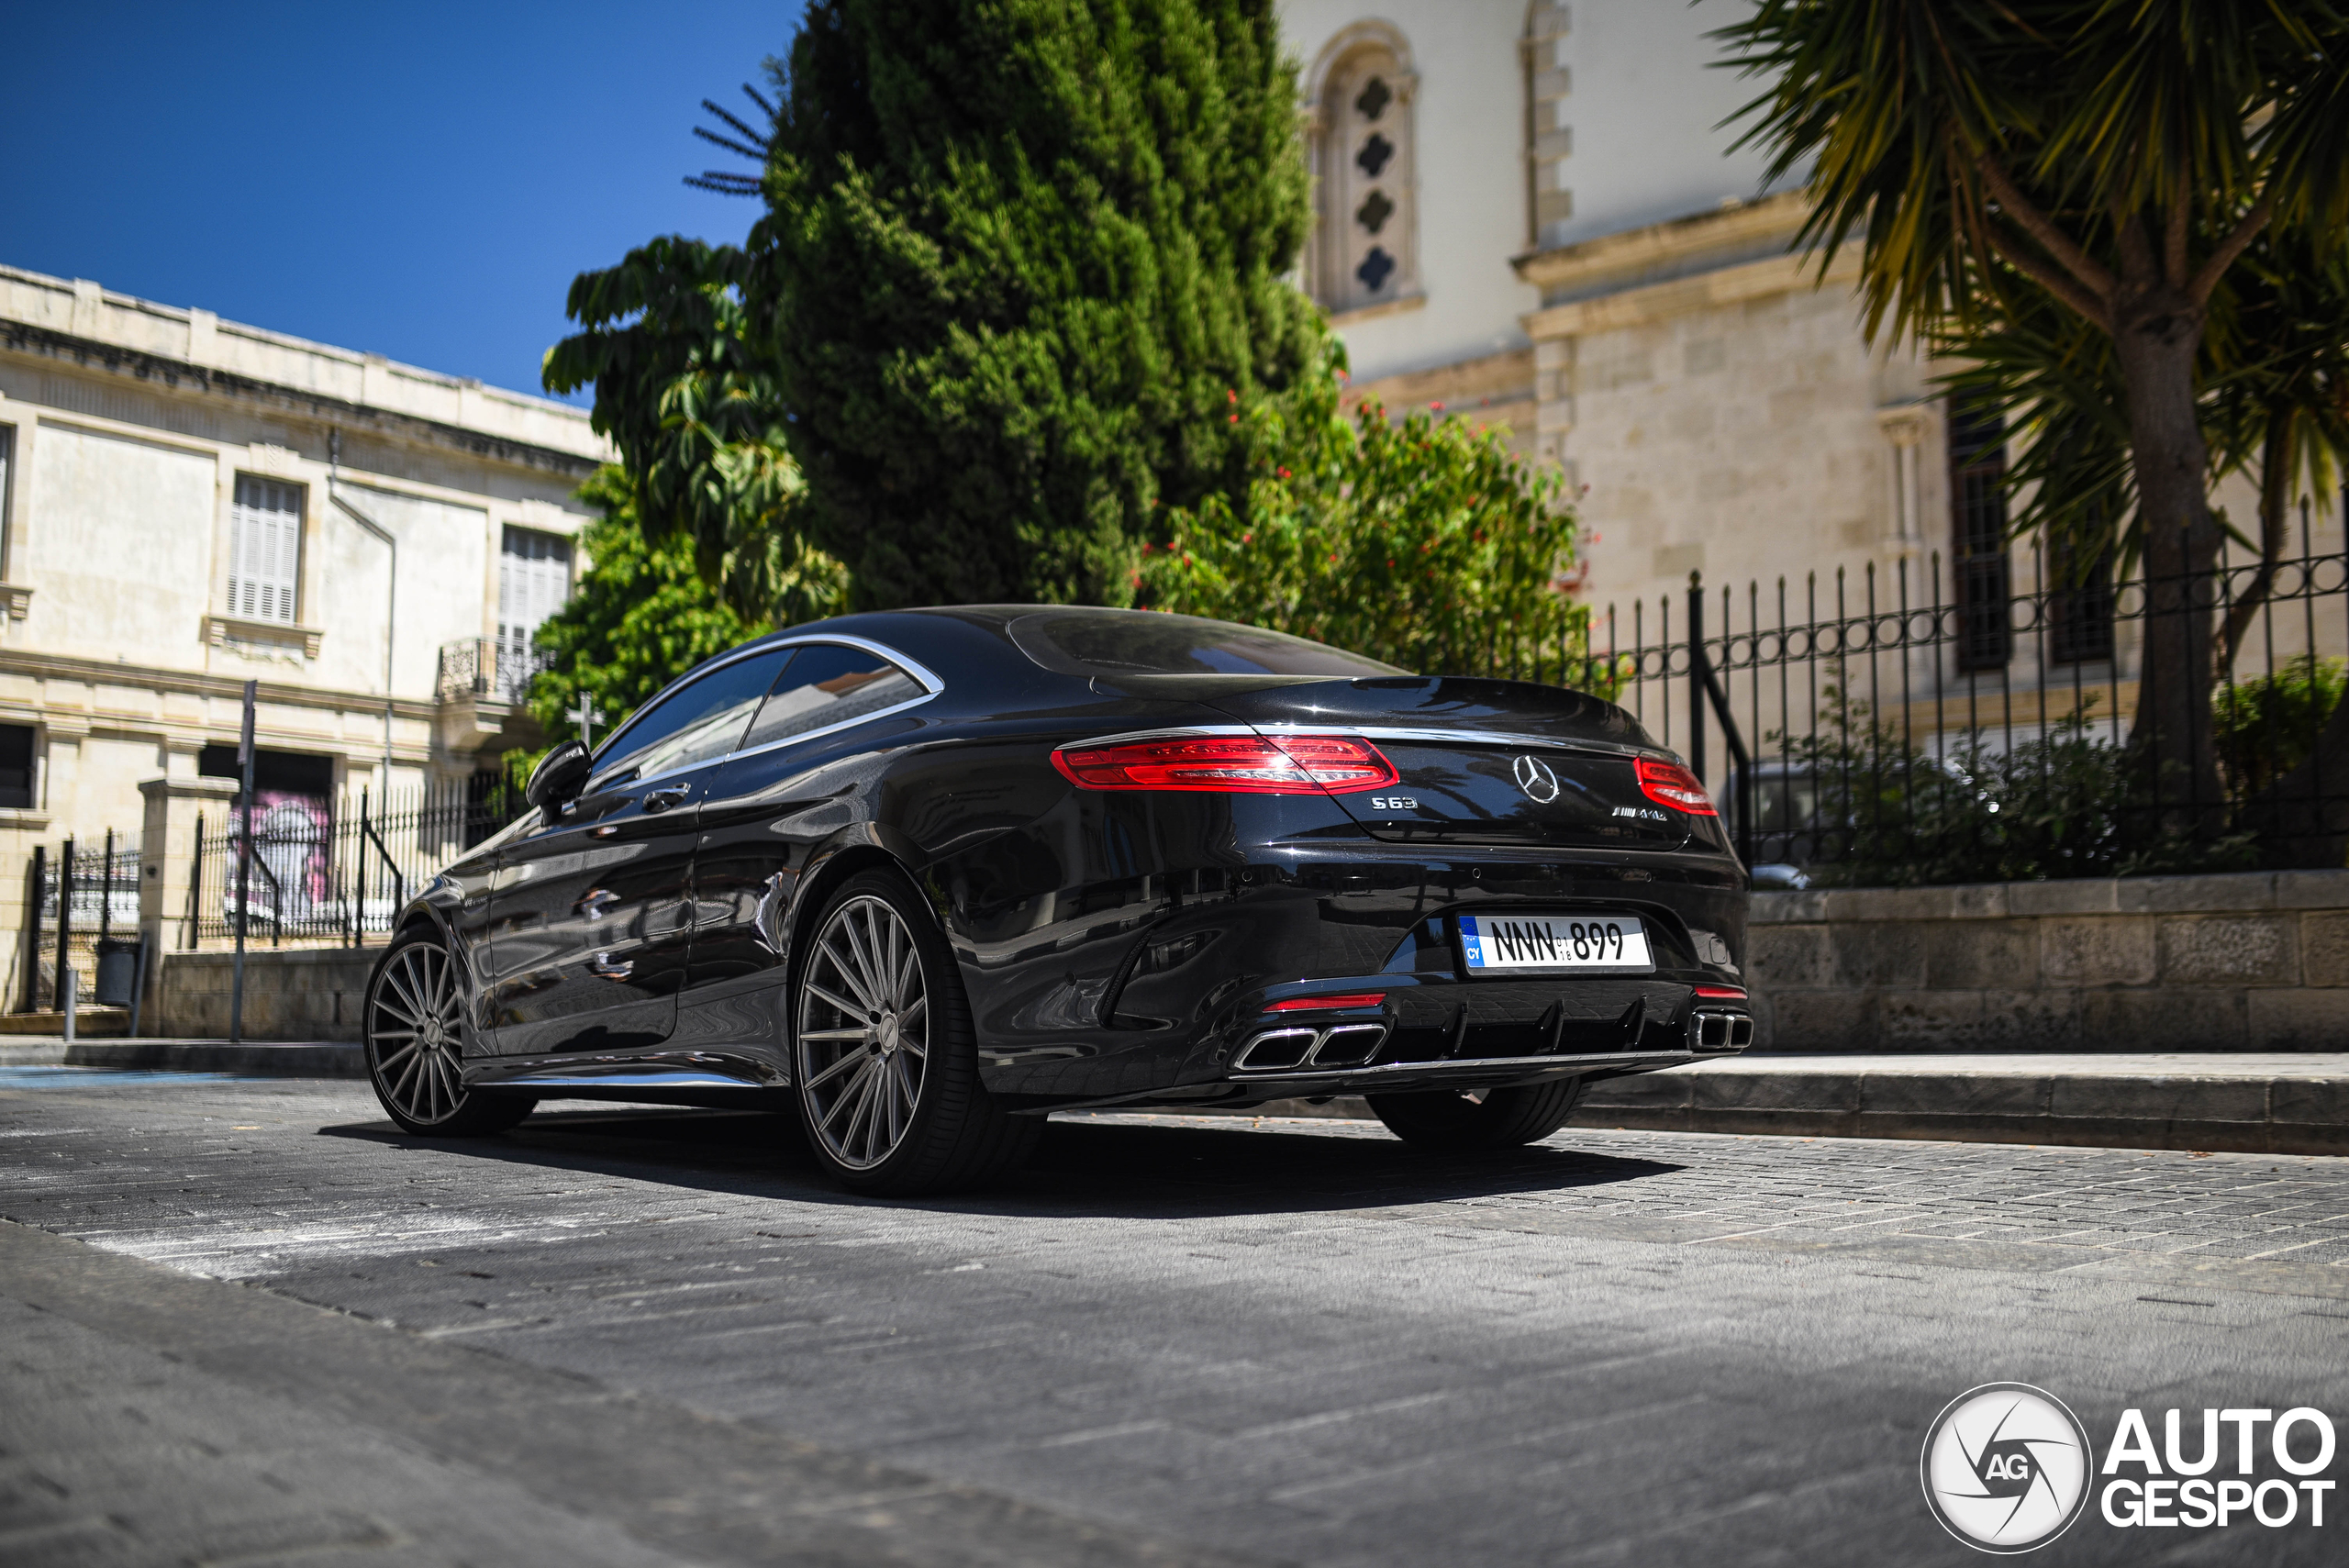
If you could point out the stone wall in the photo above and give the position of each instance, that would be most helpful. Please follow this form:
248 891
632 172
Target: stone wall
305 994
2257 961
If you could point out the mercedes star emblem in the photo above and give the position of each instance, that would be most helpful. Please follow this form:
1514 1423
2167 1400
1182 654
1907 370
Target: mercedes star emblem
1534 777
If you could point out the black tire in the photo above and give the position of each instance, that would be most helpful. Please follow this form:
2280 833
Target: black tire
416 1024
1454 1124
884 1062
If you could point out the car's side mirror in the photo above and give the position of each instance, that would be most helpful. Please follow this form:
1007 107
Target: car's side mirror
561 774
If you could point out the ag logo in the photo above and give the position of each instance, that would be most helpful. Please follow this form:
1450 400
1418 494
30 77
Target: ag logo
2006 1467
1534 777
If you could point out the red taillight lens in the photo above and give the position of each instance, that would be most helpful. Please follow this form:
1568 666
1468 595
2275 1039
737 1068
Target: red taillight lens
1720 994
1245 764
1316 1004
1669 783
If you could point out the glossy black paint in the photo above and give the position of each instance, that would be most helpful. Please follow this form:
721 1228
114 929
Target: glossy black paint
1113 945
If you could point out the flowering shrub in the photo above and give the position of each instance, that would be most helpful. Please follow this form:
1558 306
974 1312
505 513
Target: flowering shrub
1424 543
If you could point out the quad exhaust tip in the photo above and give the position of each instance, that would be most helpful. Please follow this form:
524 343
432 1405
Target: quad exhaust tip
1332 1045
1720 1032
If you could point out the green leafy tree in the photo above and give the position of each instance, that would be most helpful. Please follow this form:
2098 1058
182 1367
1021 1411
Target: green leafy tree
1023 267
2118 156
1427 544
2272 399
641 616
699 423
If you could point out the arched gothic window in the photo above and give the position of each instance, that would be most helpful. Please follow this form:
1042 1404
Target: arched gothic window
1366 248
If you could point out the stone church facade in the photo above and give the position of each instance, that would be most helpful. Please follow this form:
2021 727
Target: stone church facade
1533 215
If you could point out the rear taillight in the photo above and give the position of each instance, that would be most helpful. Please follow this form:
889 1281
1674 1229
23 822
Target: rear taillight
1354 999
1669 783
1245 764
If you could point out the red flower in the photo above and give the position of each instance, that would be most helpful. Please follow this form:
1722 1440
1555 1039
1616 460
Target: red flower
1235 418
1436 406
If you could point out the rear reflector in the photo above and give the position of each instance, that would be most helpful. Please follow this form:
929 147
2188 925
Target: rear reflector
1669 783
1244 765
1311 1004
1721 994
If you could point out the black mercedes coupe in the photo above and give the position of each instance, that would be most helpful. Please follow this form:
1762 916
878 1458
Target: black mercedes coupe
921 877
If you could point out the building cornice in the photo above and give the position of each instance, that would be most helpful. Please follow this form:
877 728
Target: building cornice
1674 243
189 682
1678 297
167 374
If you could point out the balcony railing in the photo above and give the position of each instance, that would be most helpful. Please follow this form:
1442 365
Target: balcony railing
484 669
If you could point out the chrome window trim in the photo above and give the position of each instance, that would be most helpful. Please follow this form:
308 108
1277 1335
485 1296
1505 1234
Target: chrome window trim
932 686
1375 732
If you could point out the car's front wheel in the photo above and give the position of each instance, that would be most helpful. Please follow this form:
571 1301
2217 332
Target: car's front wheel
414 1040
883 1056
1498 1119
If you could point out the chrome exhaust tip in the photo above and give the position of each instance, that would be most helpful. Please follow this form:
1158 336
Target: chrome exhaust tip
1335 1045
1720 1032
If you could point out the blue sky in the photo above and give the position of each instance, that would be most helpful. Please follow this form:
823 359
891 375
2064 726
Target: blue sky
419 179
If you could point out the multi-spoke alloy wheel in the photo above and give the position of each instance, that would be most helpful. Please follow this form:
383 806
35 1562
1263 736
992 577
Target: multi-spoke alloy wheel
887 1067
415 1011
863 1033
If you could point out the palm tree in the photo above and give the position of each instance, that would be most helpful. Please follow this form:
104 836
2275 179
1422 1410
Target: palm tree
2117 157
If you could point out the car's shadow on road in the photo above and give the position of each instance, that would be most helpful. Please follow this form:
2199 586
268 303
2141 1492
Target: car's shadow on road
1084 1167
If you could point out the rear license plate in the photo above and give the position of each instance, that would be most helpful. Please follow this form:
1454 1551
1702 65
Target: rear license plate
1555 944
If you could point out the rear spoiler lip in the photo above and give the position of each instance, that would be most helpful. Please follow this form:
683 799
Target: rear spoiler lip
1383 732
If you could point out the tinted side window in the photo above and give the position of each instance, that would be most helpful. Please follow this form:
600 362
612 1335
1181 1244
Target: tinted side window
696 722
830 684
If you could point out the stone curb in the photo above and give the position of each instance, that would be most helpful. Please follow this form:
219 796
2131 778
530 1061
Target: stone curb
258 1058
2230 1112
2242 1111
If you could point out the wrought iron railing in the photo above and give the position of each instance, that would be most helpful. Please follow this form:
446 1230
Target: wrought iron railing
486 669
319 872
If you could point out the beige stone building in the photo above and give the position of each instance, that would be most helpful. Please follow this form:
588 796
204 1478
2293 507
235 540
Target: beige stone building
187 504
1534 215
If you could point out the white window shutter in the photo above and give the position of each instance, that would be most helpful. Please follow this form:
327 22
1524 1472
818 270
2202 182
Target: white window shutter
264 551
533 580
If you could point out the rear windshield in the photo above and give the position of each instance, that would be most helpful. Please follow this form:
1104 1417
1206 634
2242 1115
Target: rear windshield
1141 643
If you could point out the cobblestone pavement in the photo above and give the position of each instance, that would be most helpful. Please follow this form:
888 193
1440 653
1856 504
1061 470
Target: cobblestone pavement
1171 1339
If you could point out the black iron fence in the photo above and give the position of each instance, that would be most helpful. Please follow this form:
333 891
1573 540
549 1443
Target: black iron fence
82 912
315 874
1902 727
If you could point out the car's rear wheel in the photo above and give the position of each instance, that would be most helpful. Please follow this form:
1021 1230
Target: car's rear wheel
1498 1119
884 1055
417 1023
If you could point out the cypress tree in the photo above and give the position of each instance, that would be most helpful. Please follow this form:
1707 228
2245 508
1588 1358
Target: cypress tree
1023 267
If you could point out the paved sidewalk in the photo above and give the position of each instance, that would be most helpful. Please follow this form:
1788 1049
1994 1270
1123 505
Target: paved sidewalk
615 1333
2236 1103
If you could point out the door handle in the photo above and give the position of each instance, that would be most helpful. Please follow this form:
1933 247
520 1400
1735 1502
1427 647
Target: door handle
596 905
662 799
611 968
